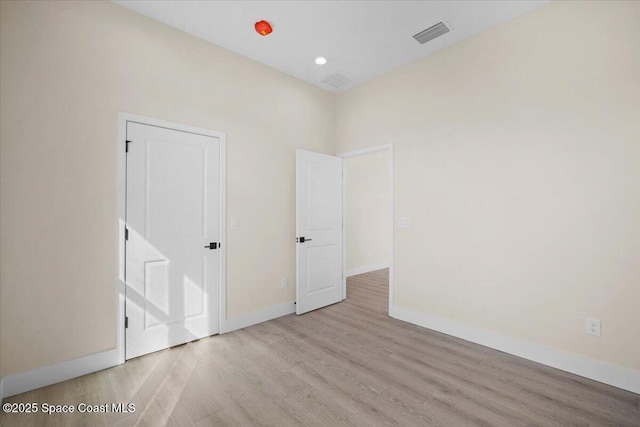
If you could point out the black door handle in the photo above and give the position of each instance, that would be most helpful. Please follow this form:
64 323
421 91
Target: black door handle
302 240
213 245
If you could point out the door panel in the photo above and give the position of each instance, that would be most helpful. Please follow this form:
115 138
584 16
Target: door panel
175 194
156 292
173 212
319 278
319 221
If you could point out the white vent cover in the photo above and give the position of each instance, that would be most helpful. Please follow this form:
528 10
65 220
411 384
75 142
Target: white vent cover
431 33
336 80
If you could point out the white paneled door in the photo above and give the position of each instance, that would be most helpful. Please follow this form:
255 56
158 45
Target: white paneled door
172 239
318 230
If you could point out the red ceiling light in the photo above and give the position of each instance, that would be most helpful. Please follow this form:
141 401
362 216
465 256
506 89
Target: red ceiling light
263 28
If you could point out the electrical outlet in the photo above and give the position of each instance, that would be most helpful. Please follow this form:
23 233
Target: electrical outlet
285 282
593 327
405 222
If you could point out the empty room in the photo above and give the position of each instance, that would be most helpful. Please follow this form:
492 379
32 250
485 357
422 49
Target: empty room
319 213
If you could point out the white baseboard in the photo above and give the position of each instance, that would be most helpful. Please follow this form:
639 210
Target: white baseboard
42 377
256 317
616 376
365 269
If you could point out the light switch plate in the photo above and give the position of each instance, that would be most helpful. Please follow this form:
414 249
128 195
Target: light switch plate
405 222
235 223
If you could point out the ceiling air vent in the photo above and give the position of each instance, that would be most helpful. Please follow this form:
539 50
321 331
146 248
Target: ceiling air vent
336 80
431 33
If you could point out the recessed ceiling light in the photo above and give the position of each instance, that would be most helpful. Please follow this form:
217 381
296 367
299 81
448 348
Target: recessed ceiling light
320 60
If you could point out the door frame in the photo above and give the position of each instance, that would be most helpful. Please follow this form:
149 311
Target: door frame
123 118
357 153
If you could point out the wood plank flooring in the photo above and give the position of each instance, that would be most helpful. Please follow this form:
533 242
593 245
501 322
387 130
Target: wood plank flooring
345 365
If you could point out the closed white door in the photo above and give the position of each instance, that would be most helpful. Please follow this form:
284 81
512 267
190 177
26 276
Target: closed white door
172 238
319 230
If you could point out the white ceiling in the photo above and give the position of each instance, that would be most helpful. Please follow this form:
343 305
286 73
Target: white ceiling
360 39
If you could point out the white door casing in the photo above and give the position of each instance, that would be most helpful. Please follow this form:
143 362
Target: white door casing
319 220
172 213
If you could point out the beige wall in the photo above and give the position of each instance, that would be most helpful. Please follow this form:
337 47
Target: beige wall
517 153
368 194
66 71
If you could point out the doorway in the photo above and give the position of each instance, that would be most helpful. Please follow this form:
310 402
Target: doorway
368 213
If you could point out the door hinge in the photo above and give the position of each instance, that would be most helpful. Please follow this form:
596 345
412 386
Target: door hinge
126 146
126 322
126 234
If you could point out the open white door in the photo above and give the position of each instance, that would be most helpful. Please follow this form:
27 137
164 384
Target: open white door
318 230
172 237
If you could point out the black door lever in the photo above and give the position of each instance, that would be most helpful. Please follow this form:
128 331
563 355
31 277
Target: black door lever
212 245
302 240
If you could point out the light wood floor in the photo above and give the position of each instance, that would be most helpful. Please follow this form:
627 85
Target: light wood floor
347 364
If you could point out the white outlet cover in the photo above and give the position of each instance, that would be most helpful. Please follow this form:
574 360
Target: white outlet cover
592 327
405 222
